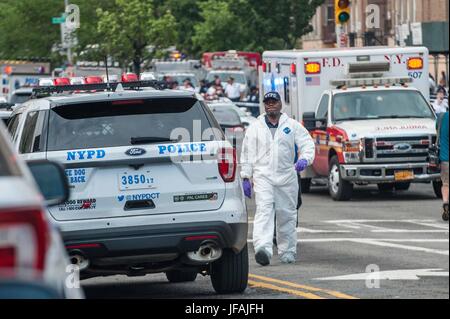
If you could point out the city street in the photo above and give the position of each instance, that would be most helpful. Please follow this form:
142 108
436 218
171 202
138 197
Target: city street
402 234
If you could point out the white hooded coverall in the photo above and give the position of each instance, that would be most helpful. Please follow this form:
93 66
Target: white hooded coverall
270 162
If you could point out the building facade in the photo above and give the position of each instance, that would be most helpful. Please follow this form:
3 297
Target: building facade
388 22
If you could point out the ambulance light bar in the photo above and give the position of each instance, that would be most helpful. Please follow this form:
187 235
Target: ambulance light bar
369 67
349 83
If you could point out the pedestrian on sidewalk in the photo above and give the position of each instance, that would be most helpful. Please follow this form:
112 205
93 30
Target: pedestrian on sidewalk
267 158
442 124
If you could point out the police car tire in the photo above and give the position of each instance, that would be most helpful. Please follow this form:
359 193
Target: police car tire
345 190
305 185
229 274
437 187
181 275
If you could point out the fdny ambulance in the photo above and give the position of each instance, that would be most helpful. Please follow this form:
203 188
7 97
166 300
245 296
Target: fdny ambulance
366 108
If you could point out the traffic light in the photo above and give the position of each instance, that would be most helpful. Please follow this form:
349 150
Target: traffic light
342 11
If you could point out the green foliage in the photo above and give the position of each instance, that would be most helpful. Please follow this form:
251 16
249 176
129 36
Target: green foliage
126 29
131 26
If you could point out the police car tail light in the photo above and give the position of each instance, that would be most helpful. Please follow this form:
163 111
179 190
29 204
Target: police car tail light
312 68
227 164
23 238
415 63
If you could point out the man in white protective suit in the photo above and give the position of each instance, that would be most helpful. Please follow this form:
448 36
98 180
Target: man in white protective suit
267 158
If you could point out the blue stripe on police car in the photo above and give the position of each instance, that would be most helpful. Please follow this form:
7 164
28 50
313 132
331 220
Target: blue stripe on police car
85 155
182 148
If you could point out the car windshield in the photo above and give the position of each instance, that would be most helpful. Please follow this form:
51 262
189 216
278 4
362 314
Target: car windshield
226 116
125 123
19 98
181 78
224 76
381 104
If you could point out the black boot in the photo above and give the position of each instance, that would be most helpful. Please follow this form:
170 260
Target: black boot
445 213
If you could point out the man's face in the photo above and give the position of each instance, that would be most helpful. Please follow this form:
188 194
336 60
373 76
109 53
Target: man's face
440 96
272 107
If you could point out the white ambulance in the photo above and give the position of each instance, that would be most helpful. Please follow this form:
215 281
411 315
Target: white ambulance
367 109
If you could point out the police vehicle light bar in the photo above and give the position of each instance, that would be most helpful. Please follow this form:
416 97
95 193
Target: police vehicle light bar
349 83
43 90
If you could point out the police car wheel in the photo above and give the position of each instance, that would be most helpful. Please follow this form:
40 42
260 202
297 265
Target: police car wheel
437 187
181 275
339 189
229 274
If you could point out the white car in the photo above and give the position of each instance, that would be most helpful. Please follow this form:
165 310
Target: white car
31 249
153 180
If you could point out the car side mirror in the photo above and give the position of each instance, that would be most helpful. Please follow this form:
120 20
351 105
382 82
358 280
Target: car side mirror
51 180
311 122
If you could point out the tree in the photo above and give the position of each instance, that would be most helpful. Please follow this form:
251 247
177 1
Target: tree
255 25
26 29
221 29
130 27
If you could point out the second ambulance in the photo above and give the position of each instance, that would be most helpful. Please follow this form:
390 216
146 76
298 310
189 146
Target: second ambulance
367 110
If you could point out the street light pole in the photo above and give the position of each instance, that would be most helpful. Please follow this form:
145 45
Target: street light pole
69 49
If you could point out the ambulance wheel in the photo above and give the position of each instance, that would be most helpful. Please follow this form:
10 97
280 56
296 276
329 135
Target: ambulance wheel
437 187
181 276
339 189
229 274
305 185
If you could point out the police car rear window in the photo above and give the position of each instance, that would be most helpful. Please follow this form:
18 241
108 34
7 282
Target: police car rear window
125 123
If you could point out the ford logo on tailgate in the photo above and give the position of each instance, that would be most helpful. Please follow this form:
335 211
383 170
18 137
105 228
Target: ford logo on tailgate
402 147
135 152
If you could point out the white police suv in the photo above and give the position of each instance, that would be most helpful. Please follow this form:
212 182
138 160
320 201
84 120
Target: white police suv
153 181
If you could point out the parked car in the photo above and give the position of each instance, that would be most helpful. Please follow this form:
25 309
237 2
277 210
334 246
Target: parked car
244 114
21 95
230 121
31 249
5 111
149 193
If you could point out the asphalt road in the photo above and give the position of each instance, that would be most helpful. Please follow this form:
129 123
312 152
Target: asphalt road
375 246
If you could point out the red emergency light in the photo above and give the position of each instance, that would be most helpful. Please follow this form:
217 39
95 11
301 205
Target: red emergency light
129 77
61 81
293 69
93 80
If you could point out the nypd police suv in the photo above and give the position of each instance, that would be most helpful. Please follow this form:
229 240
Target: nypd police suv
153 182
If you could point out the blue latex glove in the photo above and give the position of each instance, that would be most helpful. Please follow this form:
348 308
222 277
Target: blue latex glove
301 165
247 188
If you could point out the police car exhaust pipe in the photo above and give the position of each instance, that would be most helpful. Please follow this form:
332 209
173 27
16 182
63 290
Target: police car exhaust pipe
208 252
79 260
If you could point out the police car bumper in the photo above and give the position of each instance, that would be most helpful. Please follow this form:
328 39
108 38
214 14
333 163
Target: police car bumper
382 173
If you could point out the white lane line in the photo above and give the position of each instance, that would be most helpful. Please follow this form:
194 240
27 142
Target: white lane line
409 231
401 274
320 231
385 243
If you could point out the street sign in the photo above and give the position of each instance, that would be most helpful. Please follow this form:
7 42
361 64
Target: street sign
68 37
58 20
